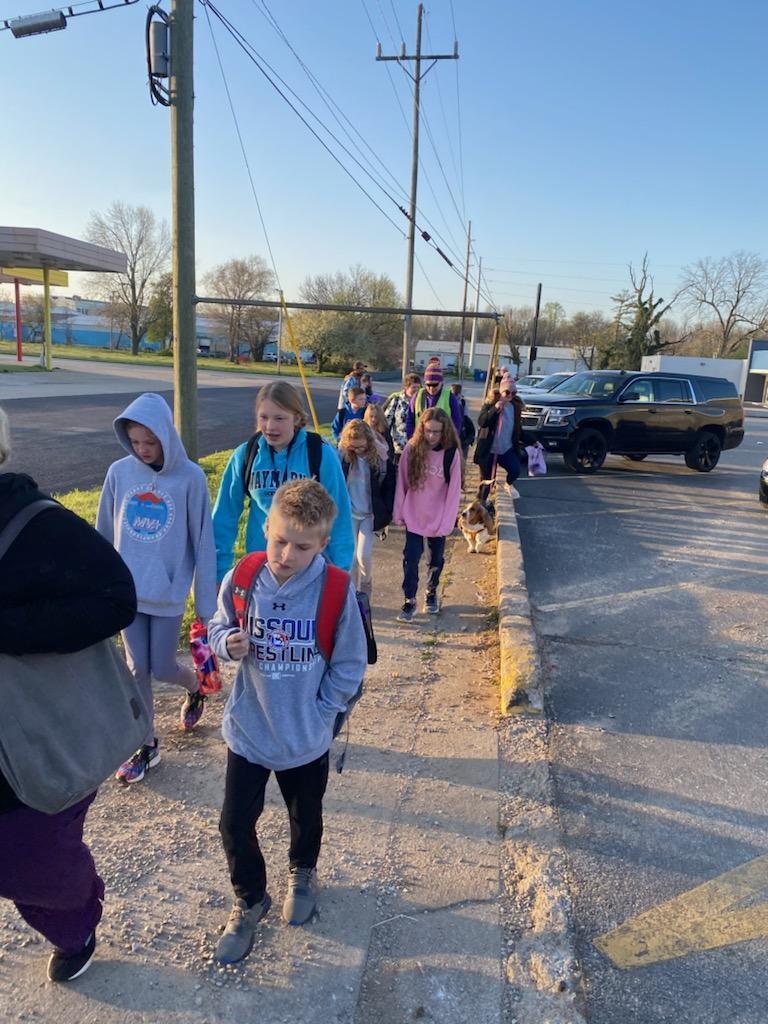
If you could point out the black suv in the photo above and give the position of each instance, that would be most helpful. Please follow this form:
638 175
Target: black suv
636 414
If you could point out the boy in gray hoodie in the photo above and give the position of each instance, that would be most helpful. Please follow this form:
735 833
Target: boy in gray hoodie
155 509
282 708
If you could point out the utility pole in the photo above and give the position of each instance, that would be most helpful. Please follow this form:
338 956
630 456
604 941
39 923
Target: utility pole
416 78
464 303
280 335
532 347
473 338
183 225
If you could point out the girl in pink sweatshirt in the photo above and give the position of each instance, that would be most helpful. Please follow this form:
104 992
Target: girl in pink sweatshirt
427 503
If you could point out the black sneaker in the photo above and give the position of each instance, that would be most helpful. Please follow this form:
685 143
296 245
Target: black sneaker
407 612
66 968
432 603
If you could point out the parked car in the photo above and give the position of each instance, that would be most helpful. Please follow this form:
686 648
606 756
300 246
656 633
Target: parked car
636 414
763 491
530 380
547 383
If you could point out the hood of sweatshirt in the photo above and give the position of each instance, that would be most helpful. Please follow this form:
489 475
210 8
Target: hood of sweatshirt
153 412
17 490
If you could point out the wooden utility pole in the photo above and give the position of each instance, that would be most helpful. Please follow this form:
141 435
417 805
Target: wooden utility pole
532 346
416 78
464 303
473 337
183 225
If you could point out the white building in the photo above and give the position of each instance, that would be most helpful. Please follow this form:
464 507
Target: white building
550 359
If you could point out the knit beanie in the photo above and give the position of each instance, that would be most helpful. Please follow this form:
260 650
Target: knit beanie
433 375
508 383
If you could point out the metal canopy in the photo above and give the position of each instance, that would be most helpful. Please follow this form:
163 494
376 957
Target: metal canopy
38 249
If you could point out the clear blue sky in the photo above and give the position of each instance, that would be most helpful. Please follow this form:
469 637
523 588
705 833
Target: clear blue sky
590 133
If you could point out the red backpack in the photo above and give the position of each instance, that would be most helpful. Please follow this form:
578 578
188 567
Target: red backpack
330 605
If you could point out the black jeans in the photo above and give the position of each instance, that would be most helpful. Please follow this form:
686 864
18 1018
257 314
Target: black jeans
303 789
412 552
508 461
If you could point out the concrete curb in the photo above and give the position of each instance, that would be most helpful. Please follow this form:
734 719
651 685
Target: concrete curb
542 970
520 669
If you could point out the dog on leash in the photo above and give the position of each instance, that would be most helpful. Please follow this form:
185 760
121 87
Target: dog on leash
477 525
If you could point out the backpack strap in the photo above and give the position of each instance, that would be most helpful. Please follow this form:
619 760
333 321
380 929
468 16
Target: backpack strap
330 605
243 579
251 452
448 454
16 523
314 453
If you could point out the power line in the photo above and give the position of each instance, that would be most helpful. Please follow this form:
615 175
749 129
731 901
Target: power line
242 149
397 20
258 61
447 130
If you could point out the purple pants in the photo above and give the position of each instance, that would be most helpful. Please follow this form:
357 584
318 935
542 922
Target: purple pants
48 872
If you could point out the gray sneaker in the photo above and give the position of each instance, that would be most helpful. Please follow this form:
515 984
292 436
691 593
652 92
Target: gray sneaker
407 611
301 900
432 603
237 940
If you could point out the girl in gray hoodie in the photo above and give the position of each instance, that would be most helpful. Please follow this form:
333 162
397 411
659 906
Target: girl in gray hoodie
155 509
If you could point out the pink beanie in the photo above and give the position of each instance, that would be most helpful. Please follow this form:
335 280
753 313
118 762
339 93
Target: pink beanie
508 382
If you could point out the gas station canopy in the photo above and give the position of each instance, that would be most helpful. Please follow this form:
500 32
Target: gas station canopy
36 249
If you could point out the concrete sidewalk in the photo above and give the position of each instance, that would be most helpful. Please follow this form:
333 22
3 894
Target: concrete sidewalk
409 926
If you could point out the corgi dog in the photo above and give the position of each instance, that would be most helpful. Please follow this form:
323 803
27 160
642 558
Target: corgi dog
477 524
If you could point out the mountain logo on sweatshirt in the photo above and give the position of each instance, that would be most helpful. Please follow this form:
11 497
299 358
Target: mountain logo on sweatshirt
148 515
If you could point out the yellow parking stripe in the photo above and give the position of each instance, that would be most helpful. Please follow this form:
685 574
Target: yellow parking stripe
702 918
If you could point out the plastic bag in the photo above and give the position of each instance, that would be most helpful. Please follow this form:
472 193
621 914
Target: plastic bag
537 460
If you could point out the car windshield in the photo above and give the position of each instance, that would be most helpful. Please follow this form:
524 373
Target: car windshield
550 381
530 381
601 385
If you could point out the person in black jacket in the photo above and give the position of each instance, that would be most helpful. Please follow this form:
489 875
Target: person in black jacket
370 476
62 589
498 438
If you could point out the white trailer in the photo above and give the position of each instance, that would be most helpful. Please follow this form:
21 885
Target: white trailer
734 370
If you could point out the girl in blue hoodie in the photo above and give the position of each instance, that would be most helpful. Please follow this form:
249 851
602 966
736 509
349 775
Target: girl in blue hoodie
155 509
281 455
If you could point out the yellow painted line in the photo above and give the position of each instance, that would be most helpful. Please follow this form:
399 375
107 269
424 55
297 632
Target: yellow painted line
703 918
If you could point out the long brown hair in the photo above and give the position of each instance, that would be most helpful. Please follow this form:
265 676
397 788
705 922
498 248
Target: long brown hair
419 449
284 394
354 430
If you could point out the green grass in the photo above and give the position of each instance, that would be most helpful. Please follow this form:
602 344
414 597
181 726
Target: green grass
100 355
21 368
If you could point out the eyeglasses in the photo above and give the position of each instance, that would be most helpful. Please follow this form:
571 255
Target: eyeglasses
435 385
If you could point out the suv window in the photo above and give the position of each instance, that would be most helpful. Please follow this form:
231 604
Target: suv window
640 390
668 390
709 388
595 384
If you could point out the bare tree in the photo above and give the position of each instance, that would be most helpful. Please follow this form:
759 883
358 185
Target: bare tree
732 294
638 314
146 242
248 278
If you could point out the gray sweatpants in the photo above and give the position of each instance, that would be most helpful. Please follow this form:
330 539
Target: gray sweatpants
150 647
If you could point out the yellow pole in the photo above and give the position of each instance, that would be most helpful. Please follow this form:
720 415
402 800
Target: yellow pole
492 361
299 363
47 341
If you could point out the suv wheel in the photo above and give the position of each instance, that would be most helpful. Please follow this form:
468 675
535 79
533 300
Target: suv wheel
704 455
588 451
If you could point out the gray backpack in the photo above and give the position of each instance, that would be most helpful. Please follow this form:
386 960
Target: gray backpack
68 720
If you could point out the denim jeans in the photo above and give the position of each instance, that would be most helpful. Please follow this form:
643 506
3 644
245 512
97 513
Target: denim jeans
412 552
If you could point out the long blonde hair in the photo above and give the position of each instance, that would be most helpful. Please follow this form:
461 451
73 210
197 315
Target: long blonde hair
354 430
418 447
376 419
283 394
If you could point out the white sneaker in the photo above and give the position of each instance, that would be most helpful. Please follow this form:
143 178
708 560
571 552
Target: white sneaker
511 491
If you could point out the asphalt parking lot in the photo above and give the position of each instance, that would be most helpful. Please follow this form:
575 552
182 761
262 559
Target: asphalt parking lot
648 584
